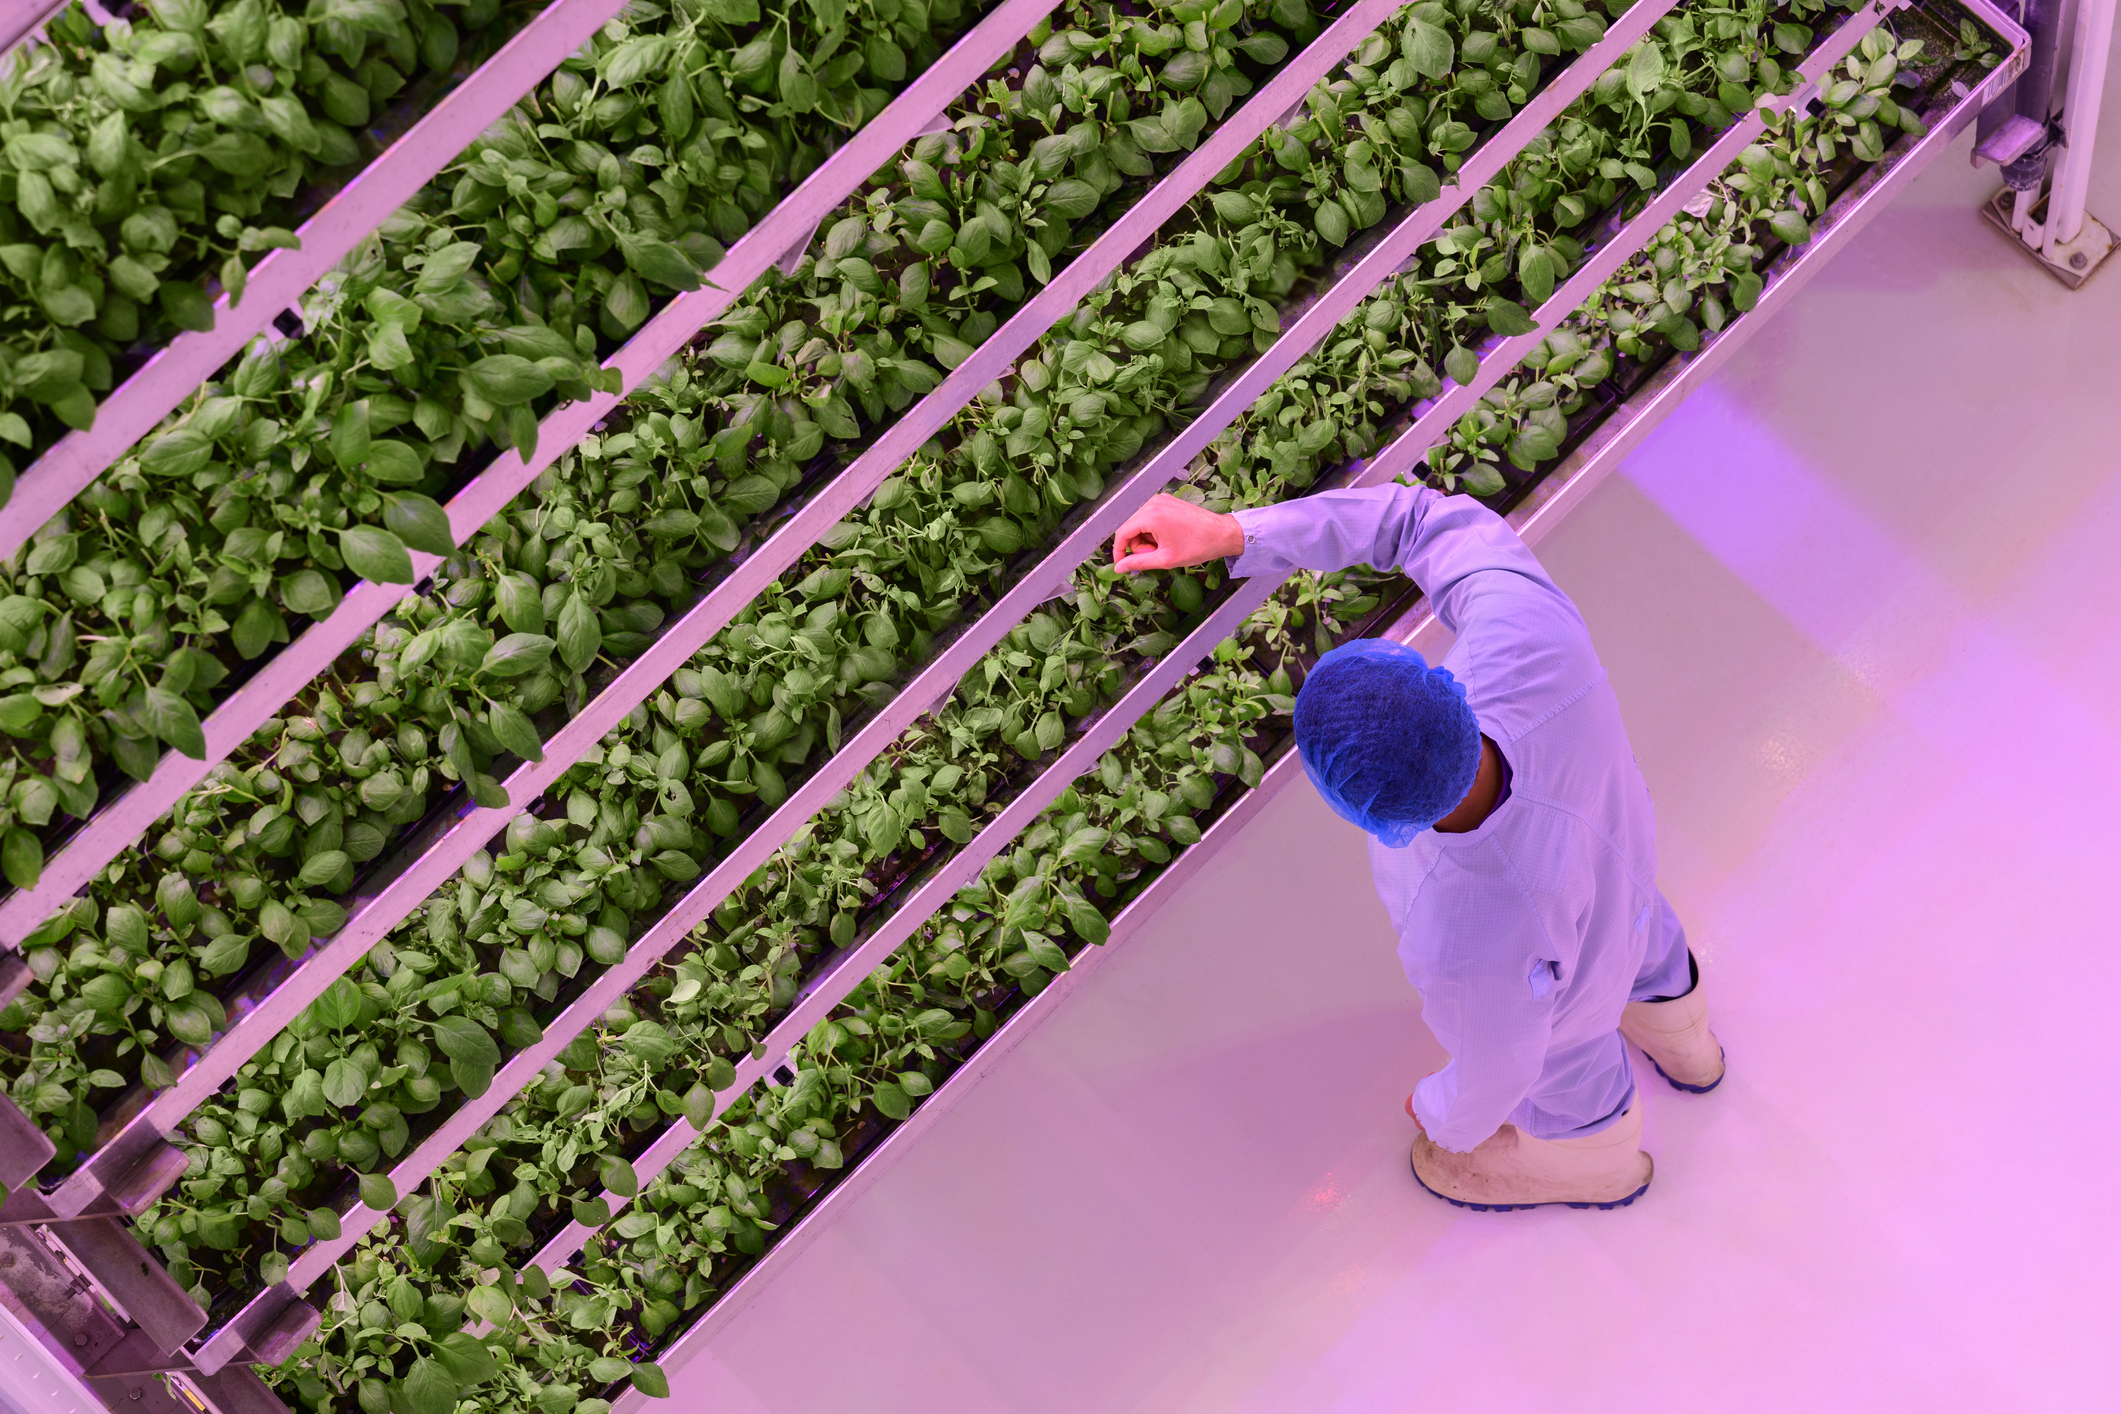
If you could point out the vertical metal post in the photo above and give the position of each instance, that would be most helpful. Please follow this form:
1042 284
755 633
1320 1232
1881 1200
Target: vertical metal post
2080 123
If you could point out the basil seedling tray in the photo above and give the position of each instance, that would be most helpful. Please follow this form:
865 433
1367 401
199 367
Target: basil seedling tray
170 374
126 818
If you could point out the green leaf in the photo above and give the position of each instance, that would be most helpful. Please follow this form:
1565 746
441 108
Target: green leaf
466 1358
1070 199
1084 845
171 718
1790 226
472 1077
515 731
580 635
649 1380
340 1006
506 380
1331 222
517 654
618 1176
1046 953
490 1304
522 604
890 1101
345 1083
464 1039
659 262
322 867
1535 272
378 1193
1429 49
1509 318
1089 924
591 1212
650 1041
419 522
1646 70
429 1389
376 555
21 858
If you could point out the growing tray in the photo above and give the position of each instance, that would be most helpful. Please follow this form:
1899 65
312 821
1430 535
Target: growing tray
173 372
789 224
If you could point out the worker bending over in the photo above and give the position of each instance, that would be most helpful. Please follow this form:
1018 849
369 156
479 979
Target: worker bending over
1511 838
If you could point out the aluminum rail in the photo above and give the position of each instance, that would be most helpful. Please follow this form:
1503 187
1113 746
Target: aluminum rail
790 223
377 915
172 373
941 675
1563 488
23 19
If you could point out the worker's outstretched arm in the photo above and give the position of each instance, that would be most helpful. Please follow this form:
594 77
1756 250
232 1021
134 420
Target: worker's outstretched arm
1518 632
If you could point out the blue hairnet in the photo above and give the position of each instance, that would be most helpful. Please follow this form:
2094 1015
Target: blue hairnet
1388 740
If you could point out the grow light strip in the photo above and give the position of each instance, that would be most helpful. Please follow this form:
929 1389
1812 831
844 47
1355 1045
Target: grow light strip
231 724
284 276
1432 423
935 682
1569 482
645 674
638 680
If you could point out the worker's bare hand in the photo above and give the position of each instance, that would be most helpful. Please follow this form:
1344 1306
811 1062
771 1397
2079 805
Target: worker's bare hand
1171 534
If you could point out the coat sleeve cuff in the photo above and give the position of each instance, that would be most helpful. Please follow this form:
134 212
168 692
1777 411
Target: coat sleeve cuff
1270 534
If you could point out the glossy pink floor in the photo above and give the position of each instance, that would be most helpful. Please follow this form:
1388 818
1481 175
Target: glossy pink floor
1858 599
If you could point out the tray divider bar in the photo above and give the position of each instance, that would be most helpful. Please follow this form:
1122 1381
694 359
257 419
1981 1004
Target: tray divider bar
24 18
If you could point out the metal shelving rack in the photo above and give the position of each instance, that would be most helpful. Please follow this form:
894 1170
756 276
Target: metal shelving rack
81 1241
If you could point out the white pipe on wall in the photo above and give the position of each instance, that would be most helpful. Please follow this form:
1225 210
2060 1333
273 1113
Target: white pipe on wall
2080 121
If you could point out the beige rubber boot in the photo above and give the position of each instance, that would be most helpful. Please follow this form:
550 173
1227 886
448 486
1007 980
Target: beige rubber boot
1511 1169
1675 1036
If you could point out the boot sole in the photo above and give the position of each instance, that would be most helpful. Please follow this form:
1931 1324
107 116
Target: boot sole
1721 1055
1514 1207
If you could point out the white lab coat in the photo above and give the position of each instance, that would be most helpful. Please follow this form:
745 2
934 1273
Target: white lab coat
1527 935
